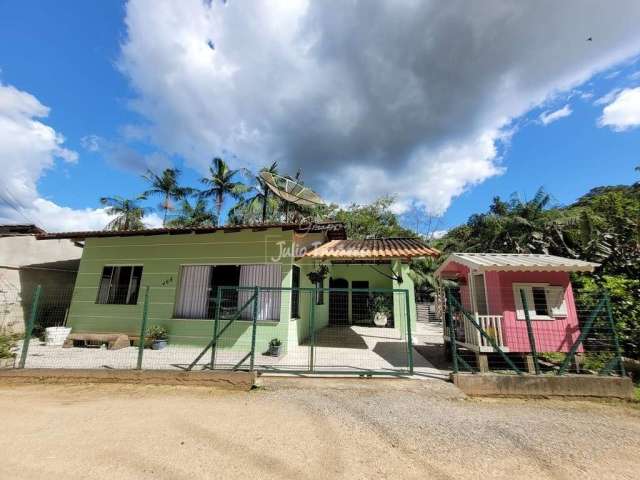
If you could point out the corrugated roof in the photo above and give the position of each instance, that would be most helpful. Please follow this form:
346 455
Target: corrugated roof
517 262
334 229
383 248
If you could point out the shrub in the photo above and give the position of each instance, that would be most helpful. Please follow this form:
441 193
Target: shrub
157 332
7 344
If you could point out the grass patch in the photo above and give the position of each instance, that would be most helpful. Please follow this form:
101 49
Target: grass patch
7 345
637 392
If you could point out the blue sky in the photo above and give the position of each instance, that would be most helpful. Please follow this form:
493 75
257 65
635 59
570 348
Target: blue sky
131 86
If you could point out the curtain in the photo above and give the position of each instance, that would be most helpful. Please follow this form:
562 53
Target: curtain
269 275
194 293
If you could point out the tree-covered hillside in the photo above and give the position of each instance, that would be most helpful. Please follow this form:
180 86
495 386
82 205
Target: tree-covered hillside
602 226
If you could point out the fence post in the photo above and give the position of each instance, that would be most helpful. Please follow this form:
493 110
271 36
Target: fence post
452 332
312 331
409 339
584 331
216 326
143 328
532 339
29 326
616 341
253 332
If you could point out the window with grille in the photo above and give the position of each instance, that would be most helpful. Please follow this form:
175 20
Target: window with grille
119 285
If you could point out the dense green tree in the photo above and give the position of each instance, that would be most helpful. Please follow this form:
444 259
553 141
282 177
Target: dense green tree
193 215
375 220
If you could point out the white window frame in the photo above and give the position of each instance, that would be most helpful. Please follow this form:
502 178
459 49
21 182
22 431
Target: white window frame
561 310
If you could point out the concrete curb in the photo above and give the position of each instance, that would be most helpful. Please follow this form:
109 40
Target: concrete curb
575 386
222 380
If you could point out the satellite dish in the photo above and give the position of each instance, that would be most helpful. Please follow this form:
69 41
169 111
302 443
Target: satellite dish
289 190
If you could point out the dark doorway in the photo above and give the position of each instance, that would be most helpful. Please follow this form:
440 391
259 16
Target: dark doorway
360 303
338 302
224 276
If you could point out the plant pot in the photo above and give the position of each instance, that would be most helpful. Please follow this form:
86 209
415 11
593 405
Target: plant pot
159 344
55 336
380 319
275 350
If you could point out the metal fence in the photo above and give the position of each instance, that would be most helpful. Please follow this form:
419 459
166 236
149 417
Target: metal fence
538 329
305 330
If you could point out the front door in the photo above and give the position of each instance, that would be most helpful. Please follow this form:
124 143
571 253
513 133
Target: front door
360 312
338 302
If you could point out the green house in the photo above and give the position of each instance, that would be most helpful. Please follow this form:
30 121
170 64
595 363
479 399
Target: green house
306 278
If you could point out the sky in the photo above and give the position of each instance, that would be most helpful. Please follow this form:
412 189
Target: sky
442 105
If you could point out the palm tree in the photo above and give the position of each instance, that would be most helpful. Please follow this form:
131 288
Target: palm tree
193 216
128 214
259 203
167 186
220 183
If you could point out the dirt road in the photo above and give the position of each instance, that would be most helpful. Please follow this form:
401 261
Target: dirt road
295 429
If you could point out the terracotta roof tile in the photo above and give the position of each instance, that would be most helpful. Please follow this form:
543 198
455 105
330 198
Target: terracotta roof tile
382 248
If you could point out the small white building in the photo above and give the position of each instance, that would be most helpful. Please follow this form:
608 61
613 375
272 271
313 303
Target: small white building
26 263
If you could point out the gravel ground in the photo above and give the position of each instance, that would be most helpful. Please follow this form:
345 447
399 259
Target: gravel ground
309 428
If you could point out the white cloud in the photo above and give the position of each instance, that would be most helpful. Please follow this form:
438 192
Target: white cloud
28 148
608 97
91 142
413 101
623 112
549 117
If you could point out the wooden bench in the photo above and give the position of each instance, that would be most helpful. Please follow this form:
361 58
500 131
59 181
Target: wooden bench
114 341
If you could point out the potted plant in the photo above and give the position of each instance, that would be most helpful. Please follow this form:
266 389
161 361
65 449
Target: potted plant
275 347
380 311
318 276
158 336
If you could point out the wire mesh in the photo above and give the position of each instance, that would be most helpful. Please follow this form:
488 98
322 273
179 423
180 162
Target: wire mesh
363 331
531 327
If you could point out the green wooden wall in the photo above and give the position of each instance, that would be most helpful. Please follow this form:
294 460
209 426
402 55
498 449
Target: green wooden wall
161 257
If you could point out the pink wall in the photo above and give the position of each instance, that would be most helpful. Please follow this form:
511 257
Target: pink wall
555 335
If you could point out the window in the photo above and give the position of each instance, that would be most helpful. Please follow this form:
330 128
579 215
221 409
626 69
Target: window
544 301
119 285
295 293
540 301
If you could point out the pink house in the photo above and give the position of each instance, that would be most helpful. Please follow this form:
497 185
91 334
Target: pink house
496 288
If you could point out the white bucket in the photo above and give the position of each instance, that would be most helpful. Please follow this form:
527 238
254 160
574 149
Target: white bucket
55 336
